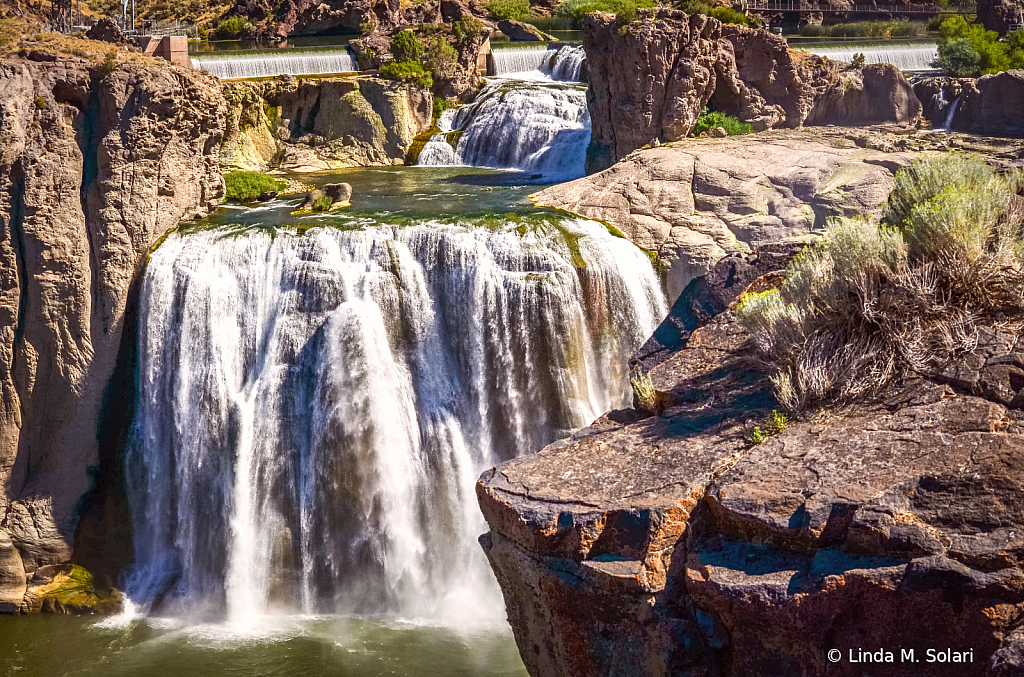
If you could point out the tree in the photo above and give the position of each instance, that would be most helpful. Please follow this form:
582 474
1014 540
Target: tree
405 46
442 57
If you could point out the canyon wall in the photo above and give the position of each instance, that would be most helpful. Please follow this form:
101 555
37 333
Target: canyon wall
94 167
310 125
673 545
651 79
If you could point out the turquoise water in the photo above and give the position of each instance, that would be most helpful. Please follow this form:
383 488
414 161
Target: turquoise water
66 646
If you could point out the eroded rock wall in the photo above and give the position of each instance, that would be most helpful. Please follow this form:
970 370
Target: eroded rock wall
311 125
94 169
651 79
670 545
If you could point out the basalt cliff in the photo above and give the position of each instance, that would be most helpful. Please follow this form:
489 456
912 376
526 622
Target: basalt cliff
96 163
671 544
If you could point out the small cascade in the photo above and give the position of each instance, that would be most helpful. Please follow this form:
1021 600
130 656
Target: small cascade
948 122
271 63
314 410
565 64
907 56
545 61
518 59
531 125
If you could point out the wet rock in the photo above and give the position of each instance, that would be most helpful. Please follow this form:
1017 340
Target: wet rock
12 576
992 104
340 194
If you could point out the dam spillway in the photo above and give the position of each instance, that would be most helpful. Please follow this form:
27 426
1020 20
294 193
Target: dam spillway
274 62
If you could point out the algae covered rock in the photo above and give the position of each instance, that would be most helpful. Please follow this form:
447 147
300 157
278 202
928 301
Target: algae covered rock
69 589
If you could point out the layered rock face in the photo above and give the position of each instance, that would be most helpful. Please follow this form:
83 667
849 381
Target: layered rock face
669 545
324 124
694 202
651 80
93 169
987 105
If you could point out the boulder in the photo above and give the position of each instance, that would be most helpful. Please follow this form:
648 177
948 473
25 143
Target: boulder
107 30
517 31
311 198
340 194
992 104
673 545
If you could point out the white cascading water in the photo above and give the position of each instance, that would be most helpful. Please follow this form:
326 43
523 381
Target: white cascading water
556 63
535 121
907 56
314 410
271 63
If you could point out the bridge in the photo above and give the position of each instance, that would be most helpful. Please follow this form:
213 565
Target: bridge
802 6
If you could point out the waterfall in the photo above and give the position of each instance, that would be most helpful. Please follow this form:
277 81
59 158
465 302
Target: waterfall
552 62
533 125
313 410
907 56
271 63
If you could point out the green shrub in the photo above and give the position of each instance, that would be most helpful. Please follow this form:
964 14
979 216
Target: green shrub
40 102
549 23
514 10
466 28
367 27
867 29
967 50
870 301
247 186
109 64
233 28
645 397
322 203
440 106
407 71
575 10
773 425
710 119
441 57
405 46
728 15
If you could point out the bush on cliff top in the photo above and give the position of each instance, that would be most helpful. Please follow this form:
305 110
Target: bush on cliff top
512 10
233 28
247 186
575 10
407 71
405 46
967 50
871 301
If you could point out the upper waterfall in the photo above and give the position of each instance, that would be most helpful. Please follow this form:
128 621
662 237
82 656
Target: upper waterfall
271 63
314 410
556 62
907 56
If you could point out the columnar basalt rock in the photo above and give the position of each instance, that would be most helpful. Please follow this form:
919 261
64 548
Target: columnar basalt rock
651 79
94 168
670 545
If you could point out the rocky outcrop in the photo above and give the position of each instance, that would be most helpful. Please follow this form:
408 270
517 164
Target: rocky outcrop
986 105
322 124
107 30
999 15
517 31
94 168
651 80
671 545
696 201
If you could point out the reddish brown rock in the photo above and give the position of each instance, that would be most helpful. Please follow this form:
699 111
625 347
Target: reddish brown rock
669 545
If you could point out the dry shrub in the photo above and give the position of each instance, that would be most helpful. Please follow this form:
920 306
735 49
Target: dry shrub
871 301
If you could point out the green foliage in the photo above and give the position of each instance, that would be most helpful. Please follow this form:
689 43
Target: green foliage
574 10
440 106
247 186
322 203
407 71
441 57
967 50
514 10
728 15
859 60
645 397
549 23
870 301
405 46
109 64
773 425
233 28
711 119
367 27
466 28
867 29
40 102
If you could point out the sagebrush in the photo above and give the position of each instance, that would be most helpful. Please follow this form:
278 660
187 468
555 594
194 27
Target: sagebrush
871 301
247 186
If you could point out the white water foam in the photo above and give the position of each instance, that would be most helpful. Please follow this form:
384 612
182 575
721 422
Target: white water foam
271 63
907 56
